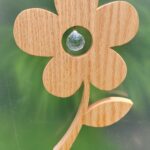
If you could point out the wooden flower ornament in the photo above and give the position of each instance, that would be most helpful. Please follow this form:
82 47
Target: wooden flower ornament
39 32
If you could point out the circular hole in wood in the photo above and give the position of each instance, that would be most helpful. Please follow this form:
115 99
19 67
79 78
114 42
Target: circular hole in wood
77 40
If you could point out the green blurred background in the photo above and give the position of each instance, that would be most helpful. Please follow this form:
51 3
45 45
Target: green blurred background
32 119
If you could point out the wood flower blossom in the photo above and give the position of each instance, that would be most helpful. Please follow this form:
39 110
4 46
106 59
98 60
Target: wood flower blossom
39 32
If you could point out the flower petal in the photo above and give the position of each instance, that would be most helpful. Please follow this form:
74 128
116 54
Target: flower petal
76 12
108 73
117 22
36 32
62 77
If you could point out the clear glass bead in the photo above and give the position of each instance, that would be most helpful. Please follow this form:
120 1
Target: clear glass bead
75 41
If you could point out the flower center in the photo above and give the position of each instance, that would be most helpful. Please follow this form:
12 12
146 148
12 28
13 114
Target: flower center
77 40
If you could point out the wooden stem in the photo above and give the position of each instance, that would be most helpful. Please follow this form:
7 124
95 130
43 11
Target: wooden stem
68 139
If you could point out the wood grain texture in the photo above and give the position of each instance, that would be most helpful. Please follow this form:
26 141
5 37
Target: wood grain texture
100 114
107 112
39 32
35 30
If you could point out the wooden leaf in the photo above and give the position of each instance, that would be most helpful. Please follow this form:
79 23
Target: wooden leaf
107 112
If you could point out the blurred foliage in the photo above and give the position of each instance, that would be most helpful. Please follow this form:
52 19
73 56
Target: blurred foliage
32 119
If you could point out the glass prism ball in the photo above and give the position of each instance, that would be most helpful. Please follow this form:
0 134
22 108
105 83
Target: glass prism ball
75 41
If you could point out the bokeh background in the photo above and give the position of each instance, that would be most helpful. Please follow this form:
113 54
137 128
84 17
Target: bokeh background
32 119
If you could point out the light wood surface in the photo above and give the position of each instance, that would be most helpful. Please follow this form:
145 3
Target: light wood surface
39 32
36 31
107 112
